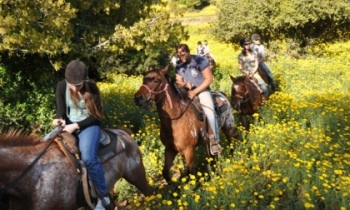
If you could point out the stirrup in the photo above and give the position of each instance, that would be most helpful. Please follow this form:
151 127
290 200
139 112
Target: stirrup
214 146
215 149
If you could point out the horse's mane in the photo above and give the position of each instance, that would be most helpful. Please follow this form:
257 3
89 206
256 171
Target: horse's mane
13 138
181 92
240 79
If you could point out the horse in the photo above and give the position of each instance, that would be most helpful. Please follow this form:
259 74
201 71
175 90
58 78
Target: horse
211 60
245 98
36 175
180 129
267 79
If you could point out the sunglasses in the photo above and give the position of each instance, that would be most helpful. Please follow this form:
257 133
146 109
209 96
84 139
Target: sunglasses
181 55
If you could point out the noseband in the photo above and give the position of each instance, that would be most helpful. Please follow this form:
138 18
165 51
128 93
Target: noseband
153 93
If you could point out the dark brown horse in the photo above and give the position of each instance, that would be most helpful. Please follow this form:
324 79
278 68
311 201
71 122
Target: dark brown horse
50 183
245 98
180 129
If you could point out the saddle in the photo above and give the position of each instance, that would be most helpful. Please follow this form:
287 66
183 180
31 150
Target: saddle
220 105
111 144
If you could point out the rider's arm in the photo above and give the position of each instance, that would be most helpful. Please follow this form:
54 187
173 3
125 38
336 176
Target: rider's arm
241 67
208 79
180 82
256 60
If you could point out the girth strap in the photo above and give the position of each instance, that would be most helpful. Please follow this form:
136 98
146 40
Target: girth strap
72 160
84 179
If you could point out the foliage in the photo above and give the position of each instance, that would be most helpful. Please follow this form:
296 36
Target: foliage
24 105
122 33
302 21
38 38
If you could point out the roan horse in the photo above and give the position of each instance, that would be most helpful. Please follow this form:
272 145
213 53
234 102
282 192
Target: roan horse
180 129
48 182
211 60
245 98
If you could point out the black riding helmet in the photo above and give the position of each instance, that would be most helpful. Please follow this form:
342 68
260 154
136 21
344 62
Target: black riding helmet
243 41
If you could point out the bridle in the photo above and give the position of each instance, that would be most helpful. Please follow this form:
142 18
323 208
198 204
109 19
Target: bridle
152 93
245 98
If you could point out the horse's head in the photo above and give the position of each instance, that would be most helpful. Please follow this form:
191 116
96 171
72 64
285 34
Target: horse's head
154 83
239 90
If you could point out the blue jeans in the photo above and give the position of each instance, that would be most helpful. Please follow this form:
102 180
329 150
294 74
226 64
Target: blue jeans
267 71
89 139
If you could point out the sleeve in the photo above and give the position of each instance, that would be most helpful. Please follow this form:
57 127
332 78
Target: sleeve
61 100
202 62
91 120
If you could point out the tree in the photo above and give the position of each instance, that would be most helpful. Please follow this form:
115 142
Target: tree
303 21
62 30
38 38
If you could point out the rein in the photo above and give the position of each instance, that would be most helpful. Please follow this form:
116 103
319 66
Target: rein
12 183
168 98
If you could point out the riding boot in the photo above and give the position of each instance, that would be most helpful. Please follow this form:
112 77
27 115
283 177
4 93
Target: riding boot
274 86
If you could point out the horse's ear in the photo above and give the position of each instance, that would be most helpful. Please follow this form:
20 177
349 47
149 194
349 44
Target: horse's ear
164 70
232 78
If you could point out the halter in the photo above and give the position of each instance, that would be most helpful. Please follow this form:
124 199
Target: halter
245 98
152 93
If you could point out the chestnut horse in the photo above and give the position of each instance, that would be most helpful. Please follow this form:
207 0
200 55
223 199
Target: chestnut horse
180 129
35 175
245 98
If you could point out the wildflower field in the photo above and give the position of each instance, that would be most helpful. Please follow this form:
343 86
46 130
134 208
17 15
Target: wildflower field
296 155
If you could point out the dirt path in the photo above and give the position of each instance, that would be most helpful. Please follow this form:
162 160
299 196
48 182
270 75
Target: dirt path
197 20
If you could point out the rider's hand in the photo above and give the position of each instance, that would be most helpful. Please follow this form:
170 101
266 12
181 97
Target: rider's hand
188 85
71 127
59 122
191 94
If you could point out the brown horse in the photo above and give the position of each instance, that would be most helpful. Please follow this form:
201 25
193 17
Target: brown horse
180 129
46 181
245 98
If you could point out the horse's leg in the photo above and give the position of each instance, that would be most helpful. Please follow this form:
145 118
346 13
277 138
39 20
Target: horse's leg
244 122
170 155
137 177
189 158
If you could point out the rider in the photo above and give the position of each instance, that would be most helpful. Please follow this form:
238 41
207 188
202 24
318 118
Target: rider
260 50
200 49
207 50
248 65
79 111
194 74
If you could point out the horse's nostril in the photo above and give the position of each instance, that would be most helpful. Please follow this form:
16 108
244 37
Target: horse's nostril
138 100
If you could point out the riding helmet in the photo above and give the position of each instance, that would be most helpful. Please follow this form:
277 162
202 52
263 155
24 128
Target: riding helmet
243 41
76 72
255 37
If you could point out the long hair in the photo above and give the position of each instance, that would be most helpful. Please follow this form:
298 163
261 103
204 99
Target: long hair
92 98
